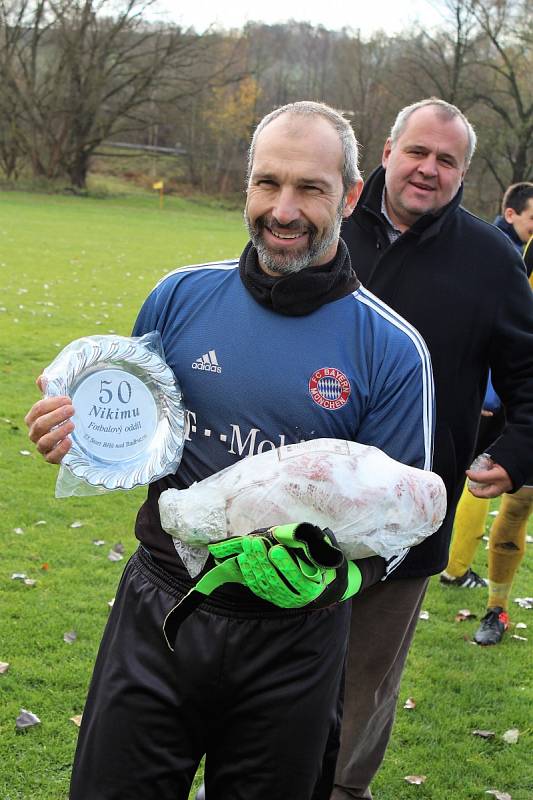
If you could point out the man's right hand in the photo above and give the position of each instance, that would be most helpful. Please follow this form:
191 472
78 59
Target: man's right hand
49 423
489 483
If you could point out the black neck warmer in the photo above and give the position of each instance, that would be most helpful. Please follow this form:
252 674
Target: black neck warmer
302 292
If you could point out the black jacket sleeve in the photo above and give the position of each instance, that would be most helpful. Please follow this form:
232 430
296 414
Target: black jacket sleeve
511 362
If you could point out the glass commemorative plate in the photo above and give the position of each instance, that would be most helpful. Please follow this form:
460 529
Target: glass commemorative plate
129 416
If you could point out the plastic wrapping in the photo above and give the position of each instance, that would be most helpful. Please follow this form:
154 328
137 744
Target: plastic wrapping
129 415
479 464
374 504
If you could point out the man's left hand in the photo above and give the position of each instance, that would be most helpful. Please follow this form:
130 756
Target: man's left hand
495 481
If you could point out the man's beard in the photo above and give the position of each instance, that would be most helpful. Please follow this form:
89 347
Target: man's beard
283 262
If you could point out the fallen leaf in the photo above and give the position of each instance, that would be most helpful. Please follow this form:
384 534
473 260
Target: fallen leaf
524 602
511 736
484 734
423 615
77 524
70 636
464 613
26 719
76 720
45 567
98 542
4 666
25 452
417 779
409 703
499 795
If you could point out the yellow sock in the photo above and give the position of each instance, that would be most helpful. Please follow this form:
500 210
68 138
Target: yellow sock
469 527
507 544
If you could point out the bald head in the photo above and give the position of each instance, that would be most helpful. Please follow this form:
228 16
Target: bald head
308 110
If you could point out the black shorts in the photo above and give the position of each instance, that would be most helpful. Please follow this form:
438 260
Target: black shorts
254 689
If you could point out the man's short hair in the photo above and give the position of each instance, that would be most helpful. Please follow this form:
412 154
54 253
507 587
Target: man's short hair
446 110
308 108
517 196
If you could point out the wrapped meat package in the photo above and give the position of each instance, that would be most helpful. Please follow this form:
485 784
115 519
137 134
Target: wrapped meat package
373 504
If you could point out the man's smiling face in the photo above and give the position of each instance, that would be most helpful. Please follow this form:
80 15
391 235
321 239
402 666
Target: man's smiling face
425 166
295 199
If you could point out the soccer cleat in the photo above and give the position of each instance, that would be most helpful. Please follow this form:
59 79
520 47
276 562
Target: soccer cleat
470 580
493 626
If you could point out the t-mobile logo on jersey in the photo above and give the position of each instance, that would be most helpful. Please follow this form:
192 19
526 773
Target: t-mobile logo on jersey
242 444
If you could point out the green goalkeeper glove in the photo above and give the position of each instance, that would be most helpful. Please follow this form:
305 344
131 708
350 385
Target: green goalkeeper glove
292 565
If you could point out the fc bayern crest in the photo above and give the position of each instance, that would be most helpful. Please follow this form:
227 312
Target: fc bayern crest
329 388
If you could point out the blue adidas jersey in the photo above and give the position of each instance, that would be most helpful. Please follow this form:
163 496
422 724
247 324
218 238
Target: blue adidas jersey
253 379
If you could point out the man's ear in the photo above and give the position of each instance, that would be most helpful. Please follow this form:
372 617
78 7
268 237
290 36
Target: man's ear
352 196
508 215
386 153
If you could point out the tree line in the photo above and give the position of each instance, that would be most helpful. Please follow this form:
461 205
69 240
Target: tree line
77 73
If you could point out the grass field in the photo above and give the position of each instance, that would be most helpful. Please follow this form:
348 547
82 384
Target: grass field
76 266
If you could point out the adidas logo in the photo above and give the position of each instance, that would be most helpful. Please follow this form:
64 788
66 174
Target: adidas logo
207 363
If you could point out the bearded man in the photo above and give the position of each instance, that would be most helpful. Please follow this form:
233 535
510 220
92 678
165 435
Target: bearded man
281 346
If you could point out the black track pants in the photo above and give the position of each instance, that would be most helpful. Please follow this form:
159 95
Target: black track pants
256 692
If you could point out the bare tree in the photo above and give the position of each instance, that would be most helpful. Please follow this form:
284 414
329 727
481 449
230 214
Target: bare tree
74 73
441 62
82 75
362 90
507 96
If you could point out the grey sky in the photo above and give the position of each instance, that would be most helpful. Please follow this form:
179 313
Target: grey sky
368 15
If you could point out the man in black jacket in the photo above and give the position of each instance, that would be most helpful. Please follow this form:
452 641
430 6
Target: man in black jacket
463 286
